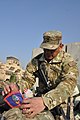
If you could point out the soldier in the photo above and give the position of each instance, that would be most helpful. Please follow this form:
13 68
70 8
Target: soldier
56 72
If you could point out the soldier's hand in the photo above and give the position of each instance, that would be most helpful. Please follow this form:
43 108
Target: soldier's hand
32 106
9 87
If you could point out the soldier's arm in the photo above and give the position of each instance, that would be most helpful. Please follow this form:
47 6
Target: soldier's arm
65 87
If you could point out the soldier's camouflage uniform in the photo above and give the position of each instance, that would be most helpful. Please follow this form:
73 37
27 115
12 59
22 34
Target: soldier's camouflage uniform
62 75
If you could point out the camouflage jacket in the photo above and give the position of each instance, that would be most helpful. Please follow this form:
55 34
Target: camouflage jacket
62 74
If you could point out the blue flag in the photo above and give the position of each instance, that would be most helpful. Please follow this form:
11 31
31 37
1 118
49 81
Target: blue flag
14 99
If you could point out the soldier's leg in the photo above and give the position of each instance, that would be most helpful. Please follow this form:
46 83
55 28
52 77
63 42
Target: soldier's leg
45 115
16 114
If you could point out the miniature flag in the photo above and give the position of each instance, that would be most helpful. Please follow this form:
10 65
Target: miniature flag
14 99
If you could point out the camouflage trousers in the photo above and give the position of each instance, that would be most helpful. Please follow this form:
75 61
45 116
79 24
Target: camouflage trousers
16 114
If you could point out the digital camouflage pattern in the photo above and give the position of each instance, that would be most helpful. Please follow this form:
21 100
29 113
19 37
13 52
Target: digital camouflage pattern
74 49
62 75
51 40
16 114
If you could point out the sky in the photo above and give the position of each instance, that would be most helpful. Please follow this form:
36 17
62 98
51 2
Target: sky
23 22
